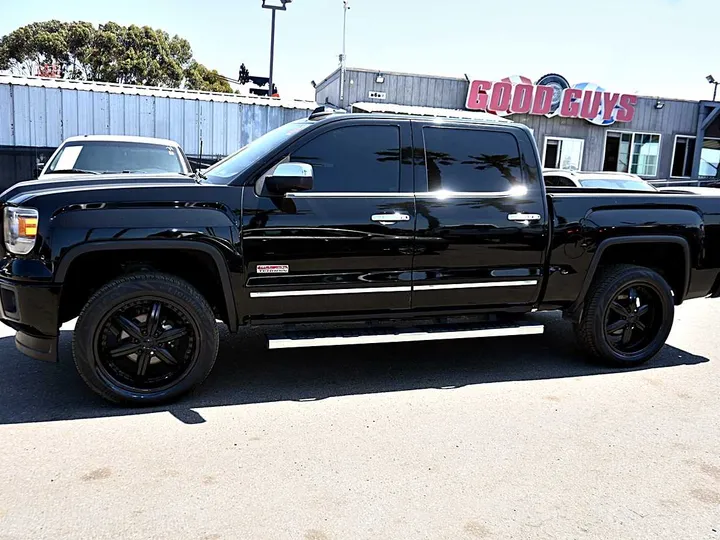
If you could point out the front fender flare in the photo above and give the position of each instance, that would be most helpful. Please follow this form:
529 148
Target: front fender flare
220 263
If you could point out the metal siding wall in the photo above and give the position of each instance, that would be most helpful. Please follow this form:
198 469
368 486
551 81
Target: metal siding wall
191 131
132 115
147 116
54 127
21 113
69 113
176 121
162 118
101 113
37 116
42 117
233 126
117 114
206 128
7 127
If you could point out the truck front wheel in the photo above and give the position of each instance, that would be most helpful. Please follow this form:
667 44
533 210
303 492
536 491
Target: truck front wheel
628 316
145 339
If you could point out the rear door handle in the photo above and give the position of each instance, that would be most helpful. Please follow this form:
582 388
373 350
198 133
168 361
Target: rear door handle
524 217
387 219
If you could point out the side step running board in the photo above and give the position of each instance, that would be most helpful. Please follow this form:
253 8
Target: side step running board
330 338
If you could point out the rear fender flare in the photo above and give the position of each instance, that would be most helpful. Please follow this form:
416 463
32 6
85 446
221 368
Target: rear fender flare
575 311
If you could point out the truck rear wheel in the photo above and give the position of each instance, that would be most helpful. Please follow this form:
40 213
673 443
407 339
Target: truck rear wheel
628 316
145 339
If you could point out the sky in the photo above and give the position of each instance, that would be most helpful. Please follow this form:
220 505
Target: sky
650 47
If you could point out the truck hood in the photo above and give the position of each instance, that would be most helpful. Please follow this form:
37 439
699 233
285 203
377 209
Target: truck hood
69 184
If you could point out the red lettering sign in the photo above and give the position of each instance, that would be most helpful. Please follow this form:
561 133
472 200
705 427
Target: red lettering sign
627 106
515 95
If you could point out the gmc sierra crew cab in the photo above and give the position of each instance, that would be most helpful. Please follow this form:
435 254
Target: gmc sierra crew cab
344 229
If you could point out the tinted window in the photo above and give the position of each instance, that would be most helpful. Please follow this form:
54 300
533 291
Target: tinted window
108 156
354 159
558 181
471 160
229 168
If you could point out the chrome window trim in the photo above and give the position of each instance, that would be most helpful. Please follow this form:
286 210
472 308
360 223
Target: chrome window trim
440 195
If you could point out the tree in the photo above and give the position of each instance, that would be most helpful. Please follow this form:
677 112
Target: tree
66 45
243 75
198 77
108 53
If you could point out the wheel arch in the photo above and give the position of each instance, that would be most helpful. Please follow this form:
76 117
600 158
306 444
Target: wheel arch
605 247
219 262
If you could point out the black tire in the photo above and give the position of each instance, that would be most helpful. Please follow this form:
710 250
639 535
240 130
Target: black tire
104 323
627 345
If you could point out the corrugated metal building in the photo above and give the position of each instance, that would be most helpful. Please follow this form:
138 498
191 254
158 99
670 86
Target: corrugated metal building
37 114
658 144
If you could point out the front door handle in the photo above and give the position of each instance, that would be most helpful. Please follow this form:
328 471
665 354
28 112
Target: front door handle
524 217
388 219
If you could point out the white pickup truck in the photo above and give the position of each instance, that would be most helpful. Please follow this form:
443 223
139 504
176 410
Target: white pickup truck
116 154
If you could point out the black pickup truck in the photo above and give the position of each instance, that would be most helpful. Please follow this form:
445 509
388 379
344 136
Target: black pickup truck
344 229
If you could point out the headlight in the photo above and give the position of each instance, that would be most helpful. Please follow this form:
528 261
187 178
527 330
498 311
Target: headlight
21 227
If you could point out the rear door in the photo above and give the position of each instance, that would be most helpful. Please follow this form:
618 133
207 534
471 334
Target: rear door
482 225
346 245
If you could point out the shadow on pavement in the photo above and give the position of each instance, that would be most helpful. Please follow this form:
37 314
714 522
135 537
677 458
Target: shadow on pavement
246 372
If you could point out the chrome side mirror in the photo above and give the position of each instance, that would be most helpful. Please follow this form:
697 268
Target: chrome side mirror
290 177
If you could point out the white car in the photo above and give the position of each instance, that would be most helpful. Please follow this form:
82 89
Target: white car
107 154
595 180
695 190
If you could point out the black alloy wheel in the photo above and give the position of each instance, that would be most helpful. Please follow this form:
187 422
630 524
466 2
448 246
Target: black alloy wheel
627 317
632 319
145 339
146 344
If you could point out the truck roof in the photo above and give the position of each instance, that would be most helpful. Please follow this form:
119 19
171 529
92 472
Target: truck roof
333 115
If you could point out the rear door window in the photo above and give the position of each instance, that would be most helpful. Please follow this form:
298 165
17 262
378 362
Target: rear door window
471 160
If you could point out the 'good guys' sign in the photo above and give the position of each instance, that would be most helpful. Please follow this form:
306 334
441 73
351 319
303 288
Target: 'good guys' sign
551 96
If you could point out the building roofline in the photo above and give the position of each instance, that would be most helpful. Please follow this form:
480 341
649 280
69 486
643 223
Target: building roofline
327 79
405 74
177 93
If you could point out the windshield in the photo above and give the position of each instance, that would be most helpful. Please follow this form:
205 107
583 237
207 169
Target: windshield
636 185
116 157
226 170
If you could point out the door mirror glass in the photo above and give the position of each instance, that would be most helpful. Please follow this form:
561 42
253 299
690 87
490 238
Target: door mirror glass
289 177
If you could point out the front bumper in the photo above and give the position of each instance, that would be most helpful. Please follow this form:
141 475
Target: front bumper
32 310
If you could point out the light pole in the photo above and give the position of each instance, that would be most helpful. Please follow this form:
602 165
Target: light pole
274 5
712 80
343 57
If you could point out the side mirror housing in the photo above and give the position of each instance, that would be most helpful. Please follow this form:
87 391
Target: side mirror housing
290 177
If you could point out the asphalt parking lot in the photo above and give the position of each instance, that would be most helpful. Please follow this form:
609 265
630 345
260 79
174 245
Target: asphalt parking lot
505 438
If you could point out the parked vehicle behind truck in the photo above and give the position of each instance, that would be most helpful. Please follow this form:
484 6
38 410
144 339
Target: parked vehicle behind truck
113 154
391 228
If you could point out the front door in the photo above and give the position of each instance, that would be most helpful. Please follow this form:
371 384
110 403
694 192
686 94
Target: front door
346 246
482 227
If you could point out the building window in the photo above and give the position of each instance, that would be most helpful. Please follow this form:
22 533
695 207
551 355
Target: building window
636 153
563 153
683 153
710 159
